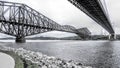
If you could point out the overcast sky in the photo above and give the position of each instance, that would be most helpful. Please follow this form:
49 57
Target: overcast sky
64 13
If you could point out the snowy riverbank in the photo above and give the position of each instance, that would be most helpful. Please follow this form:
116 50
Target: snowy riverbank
6 61
44 61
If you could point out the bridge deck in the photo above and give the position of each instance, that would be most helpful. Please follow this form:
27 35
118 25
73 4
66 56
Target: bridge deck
95 10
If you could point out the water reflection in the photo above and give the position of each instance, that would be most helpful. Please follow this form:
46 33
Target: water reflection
104 55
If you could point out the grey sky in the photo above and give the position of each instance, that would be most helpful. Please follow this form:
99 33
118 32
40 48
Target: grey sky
63 12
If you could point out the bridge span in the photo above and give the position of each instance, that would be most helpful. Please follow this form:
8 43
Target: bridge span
97 11
20 20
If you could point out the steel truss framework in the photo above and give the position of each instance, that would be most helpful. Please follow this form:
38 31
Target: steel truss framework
20 20
95 10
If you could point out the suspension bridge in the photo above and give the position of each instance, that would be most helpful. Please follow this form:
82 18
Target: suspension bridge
97 10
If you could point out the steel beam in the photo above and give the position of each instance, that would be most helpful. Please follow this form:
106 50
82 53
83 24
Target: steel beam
95 10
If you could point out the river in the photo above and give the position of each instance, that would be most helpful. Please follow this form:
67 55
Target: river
99 54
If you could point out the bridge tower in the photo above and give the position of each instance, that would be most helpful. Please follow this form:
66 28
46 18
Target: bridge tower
20 39
112 37
86 33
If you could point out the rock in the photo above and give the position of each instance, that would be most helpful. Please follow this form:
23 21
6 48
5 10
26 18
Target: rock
44 61
44 67
78 64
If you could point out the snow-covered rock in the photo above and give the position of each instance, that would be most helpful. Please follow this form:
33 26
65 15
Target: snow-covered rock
44 61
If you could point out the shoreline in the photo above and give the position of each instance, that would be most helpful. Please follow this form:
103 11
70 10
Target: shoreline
25 58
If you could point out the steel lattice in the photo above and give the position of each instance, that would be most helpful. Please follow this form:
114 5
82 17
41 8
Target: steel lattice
20 20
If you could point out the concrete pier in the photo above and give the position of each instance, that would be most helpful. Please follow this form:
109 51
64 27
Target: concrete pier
112 37
20 40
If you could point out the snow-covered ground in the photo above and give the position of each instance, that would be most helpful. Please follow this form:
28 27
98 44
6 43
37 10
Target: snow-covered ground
44 61
6 61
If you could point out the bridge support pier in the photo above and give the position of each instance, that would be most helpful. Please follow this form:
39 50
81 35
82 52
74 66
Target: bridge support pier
112 37
20 40
84 37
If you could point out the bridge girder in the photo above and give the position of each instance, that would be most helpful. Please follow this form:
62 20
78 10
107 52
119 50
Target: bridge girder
95 10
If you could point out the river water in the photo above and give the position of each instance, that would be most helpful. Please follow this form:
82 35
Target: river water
99 54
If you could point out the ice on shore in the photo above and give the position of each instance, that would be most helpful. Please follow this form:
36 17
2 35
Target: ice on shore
6 61
44 61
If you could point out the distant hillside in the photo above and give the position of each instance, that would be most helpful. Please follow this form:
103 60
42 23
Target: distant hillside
93 37
54 38
46 38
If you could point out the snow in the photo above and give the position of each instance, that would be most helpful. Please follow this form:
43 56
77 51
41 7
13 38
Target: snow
6 61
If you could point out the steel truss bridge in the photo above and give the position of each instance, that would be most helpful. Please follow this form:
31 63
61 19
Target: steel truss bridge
96 9
20 20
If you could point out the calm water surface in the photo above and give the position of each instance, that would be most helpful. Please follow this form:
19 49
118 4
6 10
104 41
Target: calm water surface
99 54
